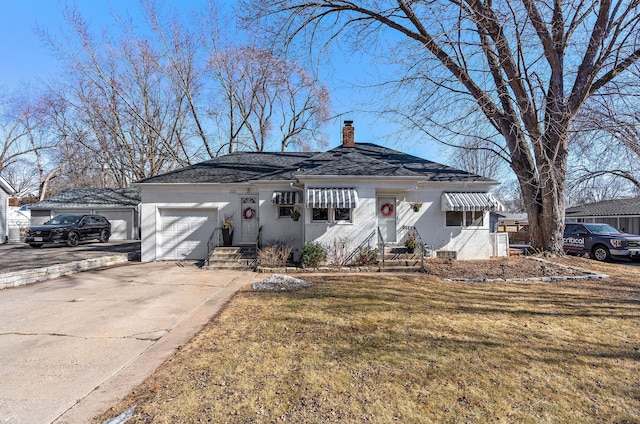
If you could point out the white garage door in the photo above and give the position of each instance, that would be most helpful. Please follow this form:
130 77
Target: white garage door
121 223
184 233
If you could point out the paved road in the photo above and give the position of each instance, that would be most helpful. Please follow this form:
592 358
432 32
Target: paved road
20 256
71 347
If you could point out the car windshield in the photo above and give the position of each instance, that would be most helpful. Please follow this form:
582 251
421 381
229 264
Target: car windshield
65 220
602 229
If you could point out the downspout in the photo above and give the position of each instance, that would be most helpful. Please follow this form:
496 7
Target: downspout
6 220
303 216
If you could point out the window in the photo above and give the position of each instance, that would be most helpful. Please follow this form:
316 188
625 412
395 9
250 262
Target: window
475 218
285 211
465 219
320 214
455 219
342 214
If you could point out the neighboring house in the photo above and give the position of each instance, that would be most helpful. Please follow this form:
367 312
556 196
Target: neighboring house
348 194
624 214
516 225
19 222
6 191
119 205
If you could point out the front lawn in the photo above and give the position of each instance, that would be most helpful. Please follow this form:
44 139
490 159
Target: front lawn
410 348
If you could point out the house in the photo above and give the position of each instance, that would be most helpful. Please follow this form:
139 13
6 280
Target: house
19 221
119 205
356 194
6 191
623 214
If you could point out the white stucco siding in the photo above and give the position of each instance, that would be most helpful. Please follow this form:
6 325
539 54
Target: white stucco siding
468 242
430 220
275 229
224 200
4 206
354 232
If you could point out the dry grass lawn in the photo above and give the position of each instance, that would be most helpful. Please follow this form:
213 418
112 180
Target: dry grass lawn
411 348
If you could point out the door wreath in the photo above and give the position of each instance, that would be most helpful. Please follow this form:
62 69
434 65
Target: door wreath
386 209
248 213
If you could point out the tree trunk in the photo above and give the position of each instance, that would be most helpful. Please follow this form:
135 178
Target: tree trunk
544 197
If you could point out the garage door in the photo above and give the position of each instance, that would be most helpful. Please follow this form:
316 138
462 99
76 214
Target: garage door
121 223
184 233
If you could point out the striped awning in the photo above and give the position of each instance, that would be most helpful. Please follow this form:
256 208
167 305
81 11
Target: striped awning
284 198
470 202
332 198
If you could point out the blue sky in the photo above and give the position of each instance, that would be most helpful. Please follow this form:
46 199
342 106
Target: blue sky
24 59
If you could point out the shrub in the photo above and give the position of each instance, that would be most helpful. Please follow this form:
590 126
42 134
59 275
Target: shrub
339 252
313 253
273 256
365 256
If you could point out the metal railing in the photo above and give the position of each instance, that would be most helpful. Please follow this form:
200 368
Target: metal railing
212 243
364 243
381 244
259 238
422 246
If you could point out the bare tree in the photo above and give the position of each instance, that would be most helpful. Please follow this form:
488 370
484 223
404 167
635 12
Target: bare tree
267 103
21 130
22 176
476 156
524 67
606 143
142 102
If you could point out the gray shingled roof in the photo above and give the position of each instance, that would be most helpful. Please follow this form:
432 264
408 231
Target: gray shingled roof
607 208
364 159
91 198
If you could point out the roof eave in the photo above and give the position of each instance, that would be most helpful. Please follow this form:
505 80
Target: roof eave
7 187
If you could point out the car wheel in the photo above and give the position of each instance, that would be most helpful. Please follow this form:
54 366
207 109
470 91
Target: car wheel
104 236
35 246
601 253
73 239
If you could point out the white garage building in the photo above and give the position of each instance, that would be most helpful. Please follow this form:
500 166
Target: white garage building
119 205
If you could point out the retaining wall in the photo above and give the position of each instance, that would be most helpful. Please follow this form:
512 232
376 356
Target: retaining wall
20 278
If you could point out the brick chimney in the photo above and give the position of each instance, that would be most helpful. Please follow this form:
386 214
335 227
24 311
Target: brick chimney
348 137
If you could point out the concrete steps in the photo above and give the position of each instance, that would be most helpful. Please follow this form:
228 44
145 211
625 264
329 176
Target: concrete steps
398 259
233 257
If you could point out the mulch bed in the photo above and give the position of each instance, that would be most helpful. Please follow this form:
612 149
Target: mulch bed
502 268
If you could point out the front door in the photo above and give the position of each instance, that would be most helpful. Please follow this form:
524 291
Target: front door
387 218
248 219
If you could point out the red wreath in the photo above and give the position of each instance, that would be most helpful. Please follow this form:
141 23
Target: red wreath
386 209
248 213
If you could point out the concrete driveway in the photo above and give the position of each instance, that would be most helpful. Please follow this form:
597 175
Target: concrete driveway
72 346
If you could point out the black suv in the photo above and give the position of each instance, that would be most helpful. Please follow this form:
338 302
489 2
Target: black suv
601 241
70 229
